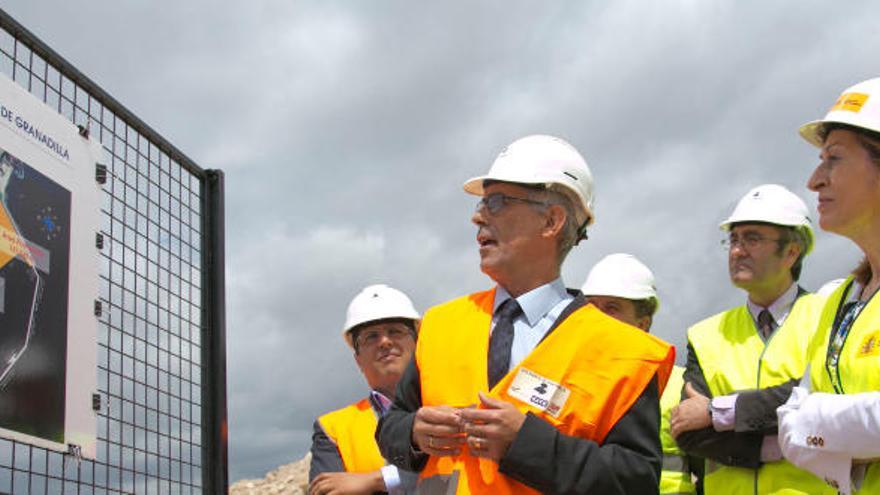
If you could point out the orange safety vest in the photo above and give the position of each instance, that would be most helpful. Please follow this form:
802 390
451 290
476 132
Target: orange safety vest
352 429
600 364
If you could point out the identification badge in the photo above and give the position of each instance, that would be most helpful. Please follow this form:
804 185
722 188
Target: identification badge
538 392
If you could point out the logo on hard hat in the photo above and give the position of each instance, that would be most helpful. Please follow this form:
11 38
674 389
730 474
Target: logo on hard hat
850 102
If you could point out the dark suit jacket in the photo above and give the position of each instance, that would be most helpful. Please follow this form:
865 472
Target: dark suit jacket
755 417
627 462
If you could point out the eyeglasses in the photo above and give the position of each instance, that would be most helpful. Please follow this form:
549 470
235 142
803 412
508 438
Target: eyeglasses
371 337
748 241
496 201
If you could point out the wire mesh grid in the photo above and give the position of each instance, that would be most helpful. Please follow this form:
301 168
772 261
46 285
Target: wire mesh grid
149 428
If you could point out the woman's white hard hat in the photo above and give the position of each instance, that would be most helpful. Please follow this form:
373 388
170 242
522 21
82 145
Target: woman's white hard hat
857 106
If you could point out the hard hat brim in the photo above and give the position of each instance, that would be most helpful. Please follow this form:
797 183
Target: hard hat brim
810 132
631 296
811 237
346 333
474 185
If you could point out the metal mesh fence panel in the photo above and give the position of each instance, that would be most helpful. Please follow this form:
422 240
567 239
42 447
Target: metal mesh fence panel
158 431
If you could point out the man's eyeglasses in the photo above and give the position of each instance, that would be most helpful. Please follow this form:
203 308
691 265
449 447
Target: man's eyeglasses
371 337
748 241
496 201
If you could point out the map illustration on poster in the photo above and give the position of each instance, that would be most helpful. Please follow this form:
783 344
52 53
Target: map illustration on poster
34 267
49 215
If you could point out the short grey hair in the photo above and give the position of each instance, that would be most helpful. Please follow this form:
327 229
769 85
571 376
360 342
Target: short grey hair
556 195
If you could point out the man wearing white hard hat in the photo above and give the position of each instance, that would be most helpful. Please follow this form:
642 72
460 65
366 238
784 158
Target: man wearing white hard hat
380 327
623 287
743 363
524 388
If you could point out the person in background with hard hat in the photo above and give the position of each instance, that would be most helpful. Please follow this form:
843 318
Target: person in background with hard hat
623 287
747 359
381 329
524 388
831 424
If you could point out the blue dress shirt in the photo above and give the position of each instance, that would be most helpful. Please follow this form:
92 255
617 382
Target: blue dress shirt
540 309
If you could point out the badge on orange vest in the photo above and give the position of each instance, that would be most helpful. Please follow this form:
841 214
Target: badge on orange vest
538 392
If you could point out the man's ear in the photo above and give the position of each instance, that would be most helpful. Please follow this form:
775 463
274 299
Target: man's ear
792 252
556 217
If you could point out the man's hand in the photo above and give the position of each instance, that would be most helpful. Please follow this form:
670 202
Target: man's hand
491 430
347 483
437 430
691 414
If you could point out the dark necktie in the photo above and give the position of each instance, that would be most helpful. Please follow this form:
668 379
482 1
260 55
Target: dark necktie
502 340
766 323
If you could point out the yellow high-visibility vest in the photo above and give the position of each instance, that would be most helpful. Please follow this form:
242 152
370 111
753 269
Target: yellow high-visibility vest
733 357
353 430
675 478
859 363
596 366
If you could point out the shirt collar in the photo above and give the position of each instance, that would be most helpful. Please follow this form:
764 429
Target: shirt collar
779 308
537 302
381 403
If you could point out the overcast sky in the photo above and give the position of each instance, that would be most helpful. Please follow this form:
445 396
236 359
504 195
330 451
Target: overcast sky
346 129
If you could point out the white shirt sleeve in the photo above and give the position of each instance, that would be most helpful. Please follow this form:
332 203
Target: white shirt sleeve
392 479
825 433
846 424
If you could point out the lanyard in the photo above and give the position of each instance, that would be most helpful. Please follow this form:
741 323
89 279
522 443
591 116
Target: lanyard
847 313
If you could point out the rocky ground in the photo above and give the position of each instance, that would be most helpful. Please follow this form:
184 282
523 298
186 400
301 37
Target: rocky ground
290 479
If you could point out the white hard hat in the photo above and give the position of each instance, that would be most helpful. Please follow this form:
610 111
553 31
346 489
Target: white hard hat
546 160
772 203
621 275
377 302
858 106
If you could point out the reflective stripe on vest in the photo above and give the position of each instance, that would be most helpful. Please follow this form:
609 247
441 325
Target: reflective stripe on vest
733 357
601 365
675 476
676 481
353 429
858 364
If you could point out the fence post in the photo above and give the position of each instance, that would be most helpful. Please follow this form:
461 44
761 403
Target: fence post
215 474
